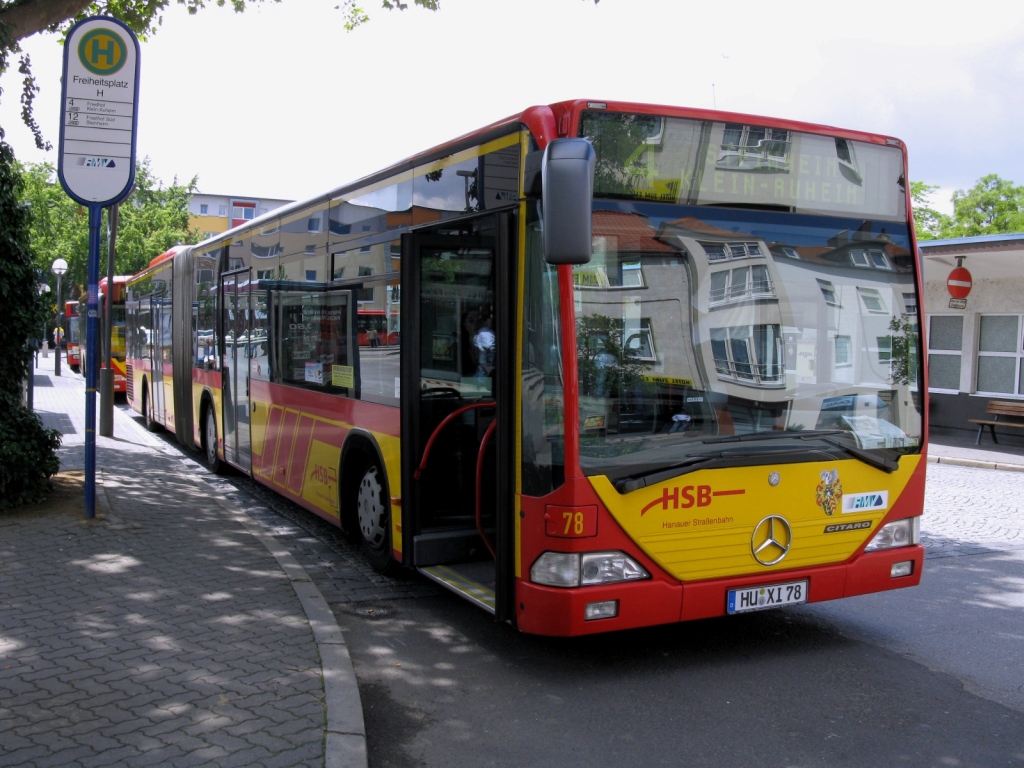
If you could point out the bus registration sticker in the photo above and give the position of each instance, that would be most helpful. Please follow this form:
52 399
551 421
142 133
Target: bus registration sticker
768 596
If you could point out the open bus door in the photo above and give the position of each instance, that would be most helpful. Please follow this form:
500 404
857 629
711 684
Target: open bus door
457 430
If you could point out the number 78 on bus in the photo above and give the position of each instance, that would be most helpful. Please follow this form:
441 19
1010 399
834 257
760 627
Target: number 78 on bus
704 394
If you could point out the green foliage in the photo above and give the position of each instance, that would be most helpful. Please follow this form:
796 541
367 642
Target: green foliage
993 206
903 361
620 142
28 457
150 220
607 366
928 223
21 308
27 450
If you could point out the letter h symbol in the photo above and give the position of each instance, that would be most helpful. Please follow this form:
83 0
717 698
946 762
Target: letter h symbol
109 52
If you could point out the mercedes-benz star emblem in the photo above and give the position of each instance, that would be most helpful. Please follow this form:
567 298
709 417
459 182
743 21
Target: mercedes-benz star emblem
771 540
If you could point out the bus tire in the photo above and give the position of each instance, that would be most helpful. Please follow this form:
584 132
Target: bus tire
147 411
373 512
209 435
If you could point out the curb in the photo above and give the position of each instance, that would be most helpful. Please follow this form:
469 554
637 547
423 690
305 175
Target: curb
976 463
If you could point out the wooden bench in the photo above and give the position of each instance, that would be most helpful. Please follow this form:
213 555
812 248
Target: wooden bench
995 409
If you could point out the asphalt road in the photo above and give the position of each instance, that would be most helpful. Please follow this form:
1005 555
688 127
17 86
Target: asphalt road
930 676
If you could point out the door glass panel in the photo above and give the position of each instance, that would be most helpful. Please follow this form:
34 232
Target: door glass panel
457 321
228 379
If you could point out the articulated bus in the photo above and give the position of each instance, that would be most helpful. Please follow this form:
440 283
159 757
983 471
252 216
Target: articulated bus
71 335
656 364
117 340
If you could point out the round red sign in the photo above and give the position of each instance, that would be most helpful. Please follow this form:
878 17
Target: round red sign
959 283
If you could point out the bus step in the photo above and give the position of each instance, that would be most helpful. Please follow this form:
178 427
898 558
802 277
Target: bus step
473 581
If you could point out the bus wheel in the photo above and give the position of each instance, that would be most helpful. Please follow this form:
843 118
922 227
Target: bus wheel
374 515
147 411
213 462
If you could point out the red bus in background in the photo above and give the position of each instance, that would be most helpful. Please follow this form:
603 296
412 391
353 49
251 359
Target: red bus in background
375 329
658 364
117 346
71 335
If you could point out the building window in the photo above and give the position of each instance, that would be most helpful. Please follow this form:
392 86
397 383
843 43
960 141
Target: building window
365 294
203 209
749 147
222 210
999 355
741 283
843 348
737 250
870 258
641 341
872 300
748 354
945 345
632 275
828 290
884 349
910 303
313 224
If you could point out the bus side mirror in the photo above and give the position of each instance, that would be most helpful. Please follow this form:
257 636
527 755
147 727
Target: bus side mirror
567 189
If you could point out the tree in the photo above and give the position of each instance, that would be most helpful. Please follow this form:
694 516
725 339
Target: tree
928 223
992 206
151 220
27 451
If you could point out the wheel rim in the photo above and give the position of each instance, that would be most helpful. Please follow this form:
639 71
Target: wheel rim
211 438
371 512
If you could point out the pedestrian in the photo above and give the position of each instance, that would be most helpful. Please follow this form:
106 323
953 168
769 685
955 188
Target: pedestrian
484 342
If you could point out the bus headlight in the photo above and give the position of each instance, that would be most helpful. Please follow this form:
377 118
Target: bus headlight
899 533
569 569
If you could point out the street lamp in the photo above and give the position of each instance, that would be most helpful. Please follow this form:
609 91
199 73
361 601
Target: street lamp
60 266
43 290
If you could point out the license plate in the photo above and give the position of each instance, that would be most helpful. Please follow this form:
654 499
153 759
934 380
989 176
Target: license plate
768 596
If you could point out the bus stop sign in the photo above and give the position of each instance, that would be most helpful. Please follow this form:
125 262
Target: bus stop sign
99 101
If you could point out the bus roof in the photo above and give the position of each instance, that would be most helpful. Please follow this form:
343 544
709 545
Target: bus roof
545 122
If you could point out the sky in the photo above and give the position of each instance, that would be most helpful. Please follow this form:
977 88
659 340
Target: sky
282 102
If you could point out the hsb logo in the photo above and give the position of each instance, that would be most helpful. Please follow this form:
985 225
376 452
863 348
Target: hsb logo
322 474
688 496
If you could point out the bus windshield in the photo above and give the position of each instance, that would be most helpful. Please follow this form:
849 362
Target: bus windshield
698 326
751 298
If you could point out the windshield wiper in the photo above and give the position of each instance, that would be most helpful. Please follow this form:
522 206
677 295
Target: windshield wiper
774 435
871 458
643 479
652 477
875 460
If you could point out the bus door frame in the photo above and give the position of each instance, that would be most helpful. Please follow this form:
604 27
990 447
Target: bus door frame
504 389
236 317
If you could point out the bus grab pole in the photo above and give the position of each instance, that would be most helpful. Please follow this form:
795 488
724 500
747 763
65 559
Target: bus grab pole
92 358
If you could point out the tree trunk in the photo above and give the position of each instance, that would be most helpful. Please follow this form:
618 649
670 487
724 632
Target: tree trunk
37 15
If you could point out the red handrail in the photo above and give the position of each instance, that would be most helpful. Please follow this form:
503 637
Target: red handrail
444 423
479 471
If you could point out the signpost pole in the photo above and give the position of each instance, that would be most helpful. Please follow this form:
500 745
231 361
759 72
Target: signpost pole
92 335
96 165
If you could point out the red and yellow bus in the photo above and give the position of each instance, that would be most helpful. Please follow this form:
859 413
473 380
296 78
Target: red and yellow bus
117 338
72 335
657 364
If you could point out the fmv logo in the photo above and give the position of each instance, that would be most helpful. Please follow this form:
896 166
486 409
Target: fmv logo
865 502
97 162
